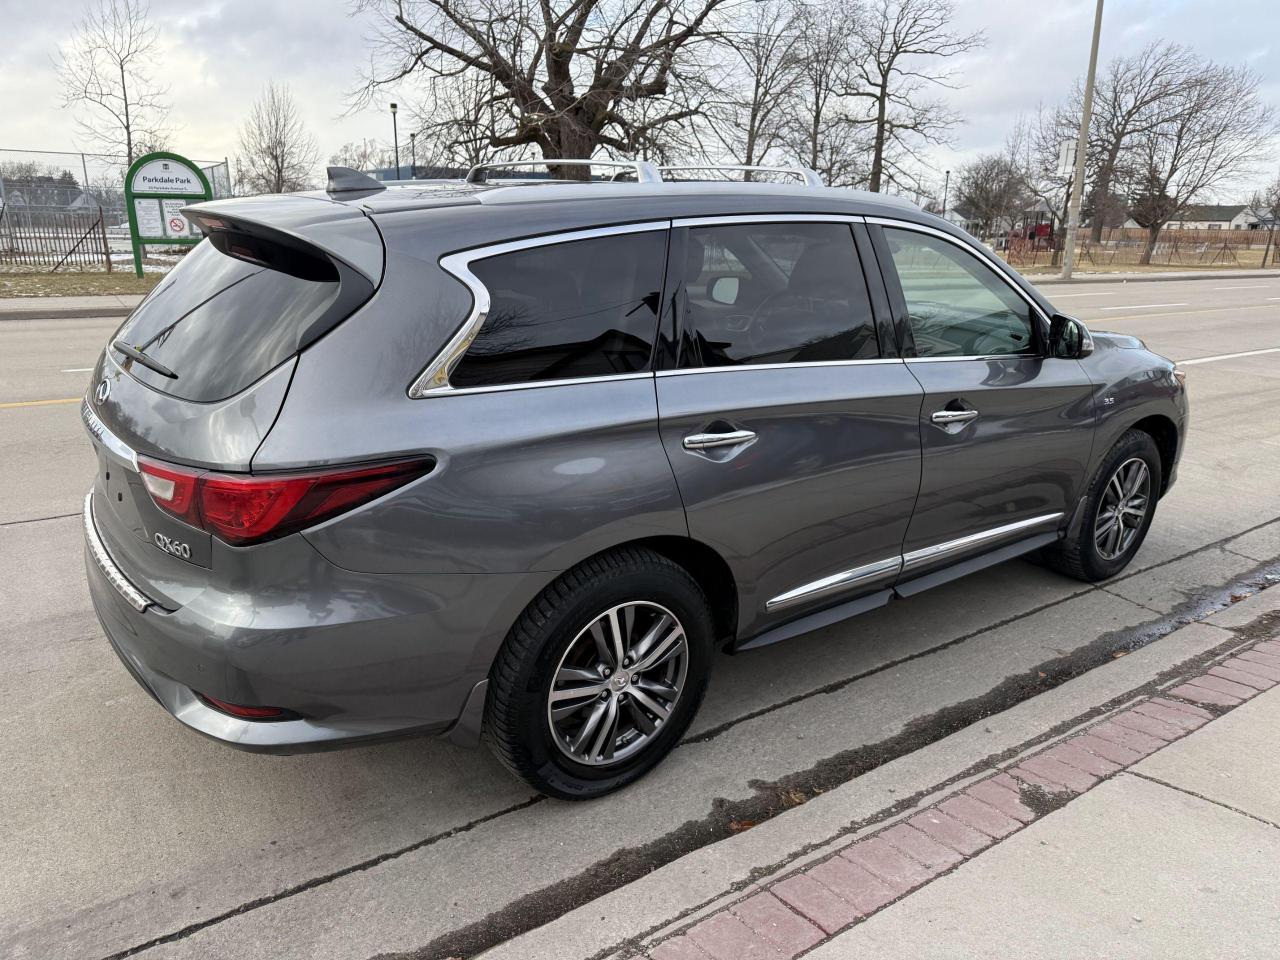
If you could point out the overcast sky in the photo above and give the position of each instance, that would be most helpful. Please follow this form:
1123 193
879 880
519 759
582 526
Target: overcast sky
217 55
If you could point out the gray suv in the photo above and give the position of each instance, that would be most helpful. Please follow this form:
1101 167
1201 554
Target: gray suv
512 461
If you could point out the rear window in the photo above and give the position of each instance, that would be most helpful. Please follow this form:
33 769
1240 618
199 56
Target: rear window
220 323
584 308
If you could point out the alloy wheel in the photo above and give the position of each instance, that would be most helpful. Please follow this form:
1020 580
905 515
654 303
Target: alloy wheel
1123 508
617 683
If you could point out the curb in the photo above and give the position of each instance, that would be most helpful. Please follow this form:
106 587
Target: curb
65 313
1038 278
795 912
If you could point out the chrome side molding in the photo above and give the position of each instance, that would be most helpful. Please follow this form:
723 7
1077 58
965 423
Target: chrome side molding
892 566
98 551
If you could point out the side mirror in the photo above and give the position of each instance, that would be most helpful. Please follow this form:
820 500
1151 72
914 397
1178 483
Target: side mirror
724 291
1069 338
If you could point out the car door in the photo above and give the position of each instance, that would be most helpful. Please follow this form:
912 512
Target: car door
792 434
1006 428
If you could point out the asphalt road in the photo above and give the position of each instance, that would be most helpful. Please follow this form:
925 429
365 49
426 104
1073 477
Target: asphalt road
124 834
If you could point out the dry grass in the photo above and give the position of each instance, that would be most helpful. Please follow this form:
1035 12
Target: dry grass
75 284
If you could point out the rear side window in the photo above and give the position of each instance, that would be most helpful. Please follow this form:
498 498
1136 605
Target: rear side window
586 308
775 293
220 322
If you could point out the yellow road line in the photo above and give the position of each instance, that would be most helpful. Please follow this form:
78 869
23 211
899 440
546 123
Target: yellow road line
37 403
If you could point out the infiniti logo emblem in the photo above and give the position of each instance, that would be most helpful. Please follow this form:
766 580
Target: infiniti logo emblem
103 391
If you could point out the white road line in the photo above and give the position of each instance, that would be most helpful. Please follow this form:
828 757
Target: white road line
77 370
1228 356
1273 298
1143 306
1063 296
1246 286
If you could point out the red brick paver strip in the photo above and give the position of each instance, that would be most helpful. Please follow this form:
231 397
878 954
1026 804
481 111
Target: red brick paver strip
920 846
1150 725
776 922
950 832
1261 656
1189 708
1002 793
1245 679
1058 772
1107 749
1237 690
1254 668
1186 722
1271 647
850 882
1141 743
979 815
816 902
1074 755
1204 695
722 936
878 856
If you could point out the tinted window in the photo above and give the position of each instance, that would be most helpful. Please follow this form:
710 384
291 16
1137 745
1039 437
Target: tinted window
220 323
775 293
956 305
579 309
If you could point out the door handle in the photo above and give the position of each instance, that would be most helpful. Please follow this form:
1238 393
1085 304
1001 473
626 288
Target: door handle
954 416
705 441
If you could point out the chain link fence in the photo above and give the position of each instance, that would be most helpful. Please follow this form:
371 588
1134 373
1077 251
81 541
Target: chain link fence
62 210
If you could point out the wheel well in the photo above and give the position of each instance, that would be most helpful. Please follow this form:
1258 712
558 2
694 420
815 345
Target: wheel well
710 570
1165 434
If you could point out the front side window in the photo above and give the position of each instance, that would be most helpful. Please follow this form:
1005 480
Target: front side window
956 305
586 308
774 293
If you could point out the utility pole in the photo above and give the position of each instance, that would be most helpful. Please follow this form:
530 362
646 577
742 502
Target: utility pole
1082 149
946 185
413 154
396 136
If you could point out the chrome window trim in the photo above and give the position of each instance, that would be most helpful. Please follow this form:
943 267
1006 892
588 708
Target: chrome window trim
834 583
434 379
114 575
98 430
917 557
743 367
976 356
730 219
972 249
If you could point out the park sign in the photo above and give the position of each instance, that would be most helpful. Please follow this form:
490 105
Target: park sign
156 188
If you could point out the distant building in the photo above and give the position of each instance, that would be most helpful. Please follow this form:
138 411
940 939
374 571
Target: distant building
1214 216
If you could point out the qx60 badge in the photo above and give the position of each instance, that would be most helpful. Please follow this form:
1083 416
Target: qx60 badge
175 547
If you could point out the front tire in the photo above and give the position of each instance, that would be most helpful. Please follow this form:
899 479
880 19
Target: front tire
1120 504
601 675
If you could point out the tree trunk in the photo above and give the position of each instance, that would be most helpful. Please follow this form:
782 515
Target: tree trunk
572 142
1153 234
877 156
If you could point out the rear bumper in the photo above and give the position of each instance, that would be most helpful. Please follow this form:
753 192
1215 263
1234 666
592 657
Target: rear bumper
352 680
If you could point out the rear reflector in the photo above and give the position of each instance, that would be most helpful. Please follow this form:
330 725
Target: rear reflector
248 713
249 508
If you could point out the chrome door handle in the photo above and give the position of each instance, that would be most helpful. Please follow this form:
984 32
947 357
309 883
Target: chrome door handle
954 416
705 441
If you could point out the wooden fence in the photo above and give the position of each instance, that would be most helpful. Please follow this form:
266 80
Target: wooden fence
1174 247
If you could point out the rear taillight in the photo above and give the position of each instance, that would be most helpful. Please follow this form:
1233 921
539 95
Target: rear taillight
248 713
249 508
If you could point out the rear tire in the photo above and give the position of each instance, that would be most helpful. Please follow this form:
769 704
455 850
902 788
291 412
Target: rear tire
1120 504
563 713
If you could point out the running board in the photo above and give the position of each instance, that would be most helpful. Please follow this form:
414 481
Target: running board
872 601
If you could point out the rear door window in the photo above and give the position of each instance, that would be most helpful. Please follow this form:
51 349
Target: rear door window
585 308
766 293
220 323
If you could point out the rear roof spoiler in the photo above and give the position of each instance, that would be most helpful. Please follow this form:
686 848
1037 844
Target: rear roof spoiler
346 180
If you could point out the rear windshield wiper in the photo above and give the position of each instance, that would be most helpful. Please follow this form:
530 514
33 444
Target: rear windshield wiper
133 353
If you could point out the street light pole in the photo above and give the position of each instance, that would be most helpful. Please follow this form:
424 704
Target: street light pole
1082 148
946 185
413 154
396 136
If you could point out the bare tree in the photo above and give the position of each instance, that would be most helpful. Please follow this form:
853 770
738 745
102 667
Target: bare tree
1133 96
900 40
1266 202
824 124
991 190
1215 129
764 73
362 155
105 67
568 75
277 153
459 117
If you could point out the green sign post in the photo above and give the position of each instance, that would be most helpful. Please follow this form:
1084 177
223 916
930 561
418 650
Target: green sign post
156 188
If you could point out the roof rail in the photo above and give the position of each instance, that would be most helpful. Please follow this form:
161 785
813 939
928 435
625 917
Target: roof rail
644 172
346 180
809 177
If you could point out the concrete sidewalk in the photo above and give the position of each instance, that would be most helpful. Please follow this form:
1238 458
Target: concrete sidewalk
64 308
1154 832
